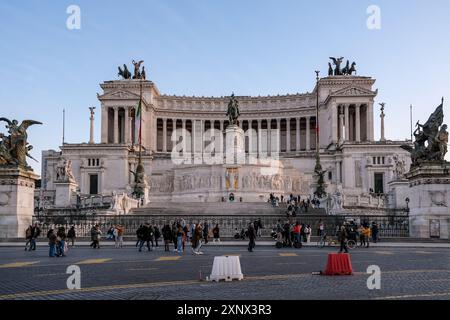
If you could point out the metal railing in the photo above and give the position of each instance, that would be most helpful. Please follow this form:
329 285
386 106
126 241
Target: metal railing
388 226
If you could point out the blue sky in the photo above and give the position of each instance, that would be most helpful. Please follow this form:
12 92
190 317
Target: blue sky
214 47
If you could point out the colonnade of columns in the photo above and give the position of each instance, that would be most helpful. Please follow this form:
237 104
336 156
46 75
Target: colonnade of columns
295 133
354 123
119 127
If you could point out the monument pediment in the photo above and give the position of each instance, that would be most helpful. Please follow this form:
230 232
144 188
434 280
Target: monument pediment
119 95
352 91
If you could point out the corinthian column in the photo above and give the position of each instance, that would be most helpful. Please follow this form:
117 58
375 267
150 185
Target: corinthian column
357 125
116 125
164 135
308 134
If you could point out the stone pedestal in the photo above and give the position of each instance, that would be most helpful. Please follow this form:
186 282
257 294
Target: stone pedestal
64 193
235 146
398 192
429 194
16 201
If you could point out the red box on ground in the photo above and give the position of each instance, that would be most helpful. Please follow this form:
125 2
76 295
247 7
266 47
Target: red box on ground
339 264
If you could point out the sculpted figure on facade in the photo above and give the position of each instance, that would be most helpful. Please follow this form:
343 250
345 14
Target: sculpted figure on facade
14 148
233 110
64 171
435 134
125 74
399 167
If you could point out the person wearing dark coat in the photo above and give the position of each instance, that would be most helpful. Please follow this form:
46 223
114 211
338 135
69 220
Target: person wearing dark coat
51 243
145 237
35 232
71 235
167 236
251 236
139 235
342 238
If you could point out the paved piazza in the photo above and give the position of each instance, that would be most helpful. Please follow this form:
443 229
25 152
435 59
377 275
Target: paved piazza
109 273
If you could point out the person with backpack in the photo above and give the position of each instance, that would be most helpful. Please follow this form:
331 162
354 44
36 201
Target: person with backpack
71 235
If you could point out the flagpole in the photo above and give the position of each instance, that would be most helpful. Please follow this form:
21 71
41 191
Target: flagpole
140 121
410 120
64 125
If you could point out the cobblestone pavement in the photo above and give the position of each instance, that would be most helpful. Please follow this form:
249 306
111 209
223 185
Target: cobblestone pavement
109 273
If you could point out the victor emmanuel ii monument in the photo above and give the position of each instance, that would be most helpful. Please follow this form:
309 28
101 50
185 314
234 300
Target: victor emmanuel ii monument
189 146
179 154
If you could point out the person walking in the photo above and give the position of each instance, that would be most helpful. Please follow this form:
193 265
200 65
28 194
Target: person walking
139 235
110 233
216 233
151 235
360 232
61 242
374 232
119 237
205 232
174 236
92 237
197 239
251 237
167 234
157 235
366 234
28 236
297 232
260 227
145 237
320 228
95 236
308 231
35 233
342 238
71 235
51 243
180 234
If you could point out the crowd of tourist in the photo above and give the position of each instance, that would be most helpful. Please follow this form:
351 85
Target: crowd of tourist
182 235
295 204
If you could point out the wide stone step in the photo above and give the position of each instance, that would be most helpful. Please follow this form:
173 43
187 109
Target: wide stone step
215 208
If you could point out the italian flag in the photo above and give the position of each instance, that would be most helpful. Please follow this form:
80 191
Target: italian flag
137 122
